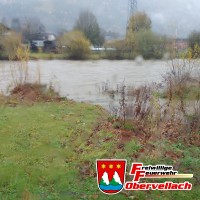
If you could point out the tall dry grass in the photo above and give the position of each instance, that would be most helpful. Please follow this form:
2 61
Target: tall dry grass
19 66
175 116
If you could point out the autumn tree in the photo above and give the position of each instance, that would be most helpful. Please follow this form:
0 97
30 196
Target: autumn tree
141 40
137 23
10 44
88 24
194 39
194 44
149 44
74 45
32 26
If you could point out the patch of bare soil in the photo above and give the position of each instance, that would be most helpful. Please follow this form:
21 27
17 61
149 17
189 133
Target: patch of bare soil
34 93
147 139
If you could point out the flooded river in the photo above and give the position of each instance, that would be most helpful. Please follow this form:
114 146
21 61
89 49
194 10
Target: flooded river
82 80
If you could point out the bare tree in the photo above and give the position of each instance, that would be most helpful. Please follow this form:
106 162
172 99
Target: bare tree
32 27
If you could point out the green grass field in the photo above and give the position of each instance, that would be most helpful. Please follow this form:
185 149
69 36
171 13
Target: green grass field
49 150
46 56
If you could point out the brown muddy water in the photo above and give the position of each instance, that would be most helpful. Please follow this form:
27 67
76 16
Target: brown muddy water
83 80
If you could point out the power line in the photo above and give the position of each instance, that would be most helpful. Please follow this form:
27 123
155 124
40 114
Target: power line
132 9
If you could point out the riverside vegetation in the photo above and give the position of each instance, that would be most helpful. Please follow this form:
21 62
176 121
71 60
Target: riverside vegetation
140 40
75 44
49 145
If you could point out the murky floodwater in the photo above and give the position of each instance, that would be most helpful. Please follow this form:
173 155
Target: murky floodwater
81 80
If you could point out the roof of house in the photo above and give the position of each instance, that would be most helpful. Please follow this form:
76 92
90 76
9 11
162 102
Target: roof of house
44 36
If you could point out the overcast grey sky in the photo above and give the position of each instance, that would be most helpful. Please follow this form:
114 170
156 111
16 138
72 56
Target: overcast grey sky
168 16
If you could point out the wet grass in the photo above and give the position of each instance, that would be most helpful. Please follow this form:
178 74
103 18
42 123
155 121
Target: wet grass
48 151
39 147
46 56
96 55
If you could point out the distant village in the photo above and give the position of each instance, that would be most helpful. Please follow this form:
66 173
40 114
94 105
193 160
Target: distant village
46 41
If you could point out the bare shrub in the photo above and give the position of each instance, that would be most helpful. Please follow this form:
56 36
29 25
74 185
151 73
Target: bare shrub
173 117
20 70
114 110
141 105
107 89
123 103
184 119
176 81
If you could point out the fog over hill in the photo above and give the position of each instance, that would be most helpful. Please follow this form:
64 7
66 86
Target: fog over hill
168 17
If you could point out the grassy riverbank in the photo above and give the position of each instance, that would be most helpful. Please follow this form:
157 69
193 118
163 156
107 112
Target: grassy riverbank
41 150
46 56
48 151
93 56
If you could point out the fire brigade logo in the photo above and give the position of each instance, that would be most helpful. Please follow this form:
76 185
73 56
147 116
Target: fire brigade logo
111 175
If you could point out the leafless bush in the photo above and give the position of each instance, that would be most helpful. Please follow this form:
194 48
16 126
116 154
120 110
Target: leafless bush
192 121
196 123
196 116
114 110
141 105
108 89
118 111
123 103
170 114
136 103
176 80
19 70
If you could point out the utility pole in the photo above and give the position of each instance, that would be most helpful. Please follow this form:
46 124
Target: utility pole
132 6
130 34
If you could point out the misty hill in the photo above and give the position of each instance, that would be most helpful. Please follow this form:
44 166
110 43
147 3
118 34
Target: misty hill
61 14
177 17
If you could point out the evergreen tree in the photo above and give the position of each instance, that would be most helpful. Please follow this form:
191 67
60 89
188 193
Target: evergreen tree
87 23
